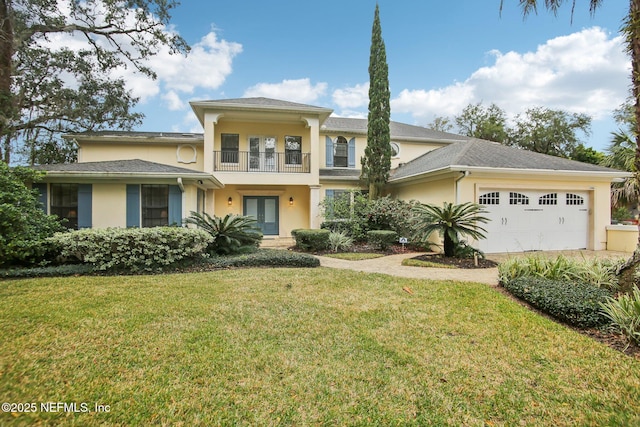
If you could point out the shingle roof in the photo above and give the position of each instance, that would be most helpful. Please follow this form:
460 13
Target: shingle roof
485 154
119 166
342 174
262 102
398 130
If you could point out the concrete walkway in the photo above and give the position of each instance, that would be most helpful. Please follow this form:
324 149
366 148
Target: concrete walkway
392 265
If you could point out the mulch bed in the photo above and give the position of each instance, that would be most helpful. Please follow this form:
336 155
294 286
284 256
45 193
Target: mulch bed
457 262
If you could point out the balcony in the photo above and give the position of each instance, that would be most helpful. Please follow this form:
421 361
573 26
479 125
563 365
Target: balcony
254 161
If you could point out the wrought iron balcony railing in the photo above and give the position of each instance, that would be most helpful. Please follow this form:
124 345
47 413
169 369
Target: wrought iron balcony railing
269 161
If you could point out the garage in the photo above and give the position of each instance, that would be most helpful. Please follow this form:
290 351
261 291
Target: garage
535 220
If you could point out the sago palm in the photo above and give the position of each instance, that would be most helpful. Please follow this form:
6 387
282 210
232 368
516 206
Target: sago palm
450 221
231 234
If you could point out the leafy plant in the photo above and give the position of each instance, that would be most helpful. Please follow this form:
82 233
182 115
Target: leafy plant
24 225
450 221
578 304
624 312
311 240
132 249
339 241
382 239
231 234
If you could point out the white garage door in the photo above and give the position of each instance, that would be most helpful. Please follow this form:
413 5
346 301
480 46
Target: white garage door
535 220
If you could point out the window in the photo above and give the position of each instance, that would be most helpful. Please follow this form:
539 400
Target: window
64 203
518 199
230 147
492 198
574 200
155 205
293 150
341 152
395 149
548 199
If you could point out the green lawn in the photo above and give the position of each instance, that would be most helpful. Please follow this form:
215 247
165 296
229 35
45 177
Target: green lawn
299 347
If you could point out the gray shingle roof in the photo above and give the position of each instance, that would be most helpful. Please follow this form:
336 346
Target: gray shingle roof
398 130
119 166
485 154
344 174
197 137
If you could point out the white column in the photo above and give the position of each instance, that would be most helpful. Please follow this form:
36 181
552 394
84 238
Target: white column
314 206
210 122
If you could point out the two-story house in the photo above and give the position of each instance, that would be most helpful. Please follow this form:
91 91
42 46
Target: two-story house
277 160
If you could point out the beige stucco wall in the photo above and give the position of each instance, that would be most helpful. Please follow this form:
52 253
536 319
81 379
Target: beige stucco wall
167 154
434 192
622 238
109 205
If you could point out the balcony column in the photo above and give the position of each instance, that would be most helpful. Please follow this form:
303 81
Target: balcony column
210 122
314 206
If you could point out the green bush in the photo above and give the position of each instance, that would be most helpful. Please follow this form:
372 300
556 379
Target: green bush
23 224
576 304
382 239
339 241
624 312
266 258
132 249
597 272
230 235
311 240
49 271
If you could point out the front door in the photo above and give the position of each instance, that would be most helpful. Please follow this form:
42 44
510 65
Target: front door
265 210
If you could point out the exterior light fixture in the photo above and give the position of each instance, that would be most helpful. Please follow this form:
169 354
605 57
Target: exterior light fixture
290 201
229 201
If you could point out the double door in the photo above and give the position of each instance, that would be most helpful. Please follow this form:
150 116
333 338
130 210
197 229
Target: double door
265 210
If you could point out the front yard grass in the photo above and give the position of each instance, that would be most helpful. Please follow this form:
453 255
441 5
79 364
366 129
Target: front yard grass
299 347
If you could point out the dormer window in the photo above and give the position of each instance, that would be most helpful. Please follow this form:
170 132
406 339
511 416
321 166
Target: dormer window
341 153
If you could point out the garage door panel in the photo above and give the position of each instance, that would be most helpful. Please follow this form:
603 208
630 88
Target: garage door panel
531 220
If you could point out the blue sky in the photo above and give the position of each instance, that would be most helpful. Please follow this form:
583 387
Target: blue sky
442 56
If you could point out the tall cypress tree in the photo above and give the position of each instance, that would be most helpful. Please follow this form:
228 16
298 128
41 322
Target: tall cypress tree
376 162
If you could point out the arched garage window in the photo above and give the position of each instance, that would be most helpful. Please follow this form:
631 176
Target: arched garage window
492 198
518 199
548 199
574 200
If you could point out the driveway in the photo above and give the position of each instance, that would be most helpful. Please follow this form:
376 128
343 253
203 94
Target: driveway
392 265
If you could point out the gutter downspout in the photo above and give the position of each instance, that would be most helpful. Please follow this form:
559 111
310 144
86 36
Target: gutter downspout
460 178
180 184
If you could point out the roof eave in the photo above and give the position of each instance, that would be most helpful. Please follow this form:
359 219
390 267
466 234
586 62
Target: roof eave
208 181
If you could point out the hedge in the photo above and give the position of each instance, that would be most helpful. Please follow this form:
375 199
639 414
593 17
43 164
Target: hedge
574 303
311 240
382 239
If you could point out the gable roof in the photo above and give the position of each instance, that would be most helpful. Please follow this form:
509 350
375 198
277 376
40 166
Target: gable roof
119 169
398 130
486 155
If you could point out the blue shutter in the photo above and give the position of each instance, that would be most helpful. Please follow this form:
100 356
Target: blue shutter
42 194
84 206
352 153
329 151
133 205
175 205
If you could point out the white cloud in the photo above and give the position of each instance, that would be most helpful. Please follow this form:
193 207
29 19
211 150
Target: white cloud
352 97
300 90
174 103
584 72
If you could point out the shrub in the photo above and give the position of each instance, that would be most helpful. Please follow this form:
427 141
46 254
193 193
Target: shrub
49 271
23 224
597 272
132 249
231 234
382 239
266 258
577 304
311 240
624 313
339 241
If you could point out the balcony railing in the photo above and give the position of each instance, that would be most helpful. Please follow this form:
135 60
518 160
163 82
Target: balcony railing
270 161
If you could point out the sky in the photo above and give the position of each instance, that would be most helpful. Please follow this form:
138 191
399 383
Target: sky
442 56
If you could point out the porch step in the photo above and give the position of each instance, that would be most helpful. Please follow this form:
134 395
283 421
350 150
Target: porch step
277 242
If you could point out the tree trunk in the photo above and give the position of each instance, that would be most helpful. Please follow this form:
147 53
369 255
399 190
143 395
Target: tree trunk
6 70
449 246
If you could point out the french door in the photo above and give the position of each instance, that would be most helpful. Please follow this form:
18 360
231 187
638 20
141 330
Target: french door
265 210
262 153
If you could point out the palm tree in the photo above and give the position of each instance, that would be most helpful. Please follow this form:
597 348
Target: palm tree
231 234
631 30
450 221
621 154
